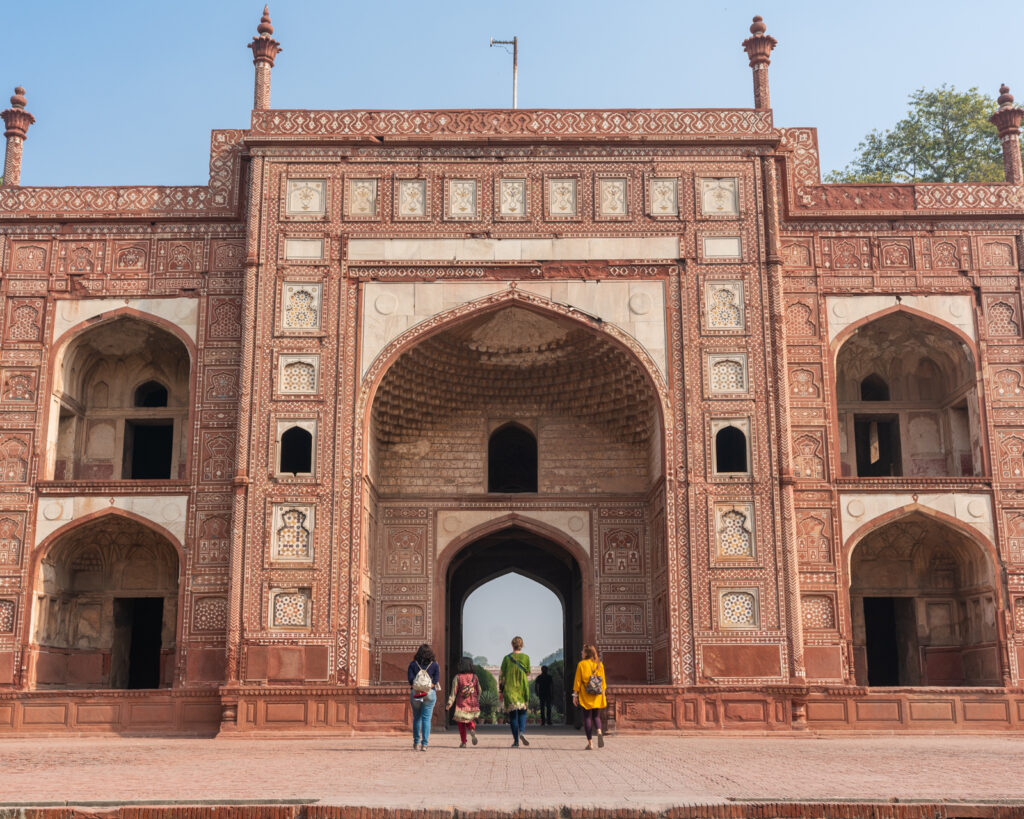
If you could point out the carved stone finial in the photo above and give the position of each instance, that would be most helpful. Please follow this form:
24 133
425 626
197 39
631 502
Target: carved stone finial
16 118
264 50
759 47
264 47
1007 120
1005 98
265 28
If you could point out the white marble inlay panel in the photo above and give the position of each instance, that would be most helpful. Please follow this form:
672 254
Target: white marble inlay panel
842 311
534 250
412 197
181 312
512 197
306 197
411 303
300 249
362 197
562 197
462 199
452 523
664 196
612 196
719 197
973 509
167 511
722 247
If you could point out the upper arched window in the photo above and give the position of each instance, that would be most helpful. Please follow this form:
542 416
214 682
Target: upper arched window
296 451
730 450
512 460
907 400
874 388
151 394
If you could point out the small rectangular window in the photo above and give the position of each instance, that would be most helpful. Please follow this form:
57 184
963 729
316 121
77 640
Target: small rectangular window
878 446
148 449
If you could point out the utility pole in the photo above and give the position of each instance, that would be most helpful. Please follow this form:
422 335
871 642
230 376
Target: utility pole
514 42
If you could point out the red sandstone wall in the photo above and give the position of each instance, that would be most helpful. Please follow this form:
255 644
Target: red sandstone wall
835 241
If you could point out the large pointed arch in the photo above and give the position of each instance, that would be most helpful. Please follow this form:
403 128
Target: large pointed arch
511 297
108 568
471 314
132 442
527 547
853 327
926 597
924 414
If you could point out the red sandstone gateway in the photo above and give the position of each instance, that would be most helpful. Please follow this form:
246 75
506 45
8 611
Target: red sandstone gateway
763 436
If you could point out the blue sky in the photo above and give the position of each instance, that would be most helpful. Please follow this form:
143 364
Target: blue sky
508 606
127 91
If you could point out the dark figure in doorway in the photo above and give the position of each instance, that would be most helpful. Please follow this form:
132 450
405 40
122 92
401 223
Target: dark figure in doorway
543 687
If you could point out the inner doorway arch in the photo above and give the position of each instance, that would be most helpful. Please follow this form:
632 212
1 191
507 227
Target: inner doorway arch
925 606
516 549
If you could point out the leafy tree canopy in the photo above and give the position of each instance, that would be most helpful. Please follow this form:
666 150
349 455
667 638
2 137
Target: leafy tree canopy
945 137
487 681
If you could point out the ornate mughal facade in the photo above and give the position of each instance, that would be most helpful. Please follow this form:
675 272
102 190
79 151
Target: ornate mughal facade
763 436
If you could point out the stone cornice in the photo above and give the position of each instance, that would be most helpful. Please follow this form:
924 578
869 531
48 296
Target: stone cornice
683 125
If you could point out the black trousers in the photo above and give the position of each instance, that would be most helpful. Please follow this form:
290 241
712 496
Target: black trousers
545 710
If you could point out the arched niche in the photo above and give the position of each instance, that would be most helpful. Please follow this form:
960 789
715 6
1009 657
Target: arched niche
512 460
924 601
535 557
587 401
907 400
106 602
592 401
730 448
121 399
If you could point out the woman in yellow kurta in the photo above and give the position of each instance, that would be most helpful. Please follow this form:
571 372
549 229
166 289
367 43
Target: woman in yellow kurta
588 693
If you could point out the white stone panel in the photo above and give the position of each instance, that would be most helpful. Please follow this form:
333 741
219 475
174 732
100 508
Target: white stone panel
168 511
722 247
512 197
455 522
302 249
410 303
842 311
181 312
973 509
514 250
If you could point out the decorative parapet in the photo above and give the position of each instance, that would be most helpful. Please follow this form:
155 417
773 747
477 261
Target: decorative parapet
512 124
220 198
807 197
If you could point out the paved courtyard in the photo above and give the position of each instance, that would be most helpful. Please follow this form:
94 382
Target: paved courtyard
652 772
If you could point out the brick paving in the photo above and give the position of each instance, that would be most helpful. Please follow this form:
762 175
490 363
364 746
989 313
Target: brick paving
652 772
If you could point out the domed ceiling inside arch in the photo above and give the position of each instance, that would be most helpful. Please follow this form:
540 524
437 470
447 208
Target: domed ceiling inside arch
518 363
894 346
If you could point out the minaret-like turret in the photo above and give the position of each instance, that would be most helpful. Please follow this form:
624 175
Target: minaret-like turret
17 120
1007 119
264 49
759 49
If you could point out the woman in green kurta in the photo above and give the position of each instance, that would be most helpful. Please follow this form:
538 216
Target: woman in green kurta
514 683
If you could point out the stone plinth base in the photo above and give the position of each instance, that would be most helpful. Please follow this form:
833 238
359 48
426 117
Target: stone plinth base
646 708
154 713
279 710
